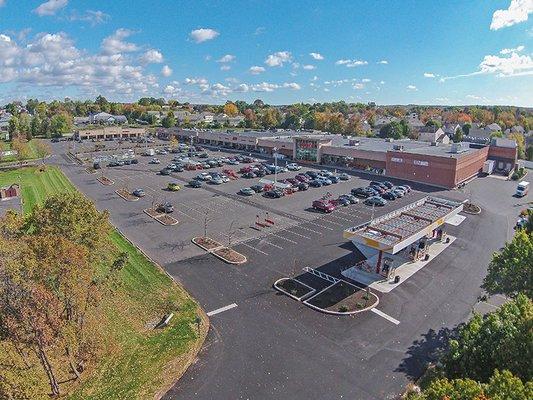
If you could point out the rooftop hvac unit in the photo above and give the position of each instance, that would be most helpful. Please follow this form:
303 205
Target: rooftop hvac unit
389 140
354 142
434 143
398 147
456 148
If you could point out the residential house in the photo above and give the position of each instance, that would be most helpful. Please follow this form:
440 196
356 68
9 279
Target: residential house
105 118
433 135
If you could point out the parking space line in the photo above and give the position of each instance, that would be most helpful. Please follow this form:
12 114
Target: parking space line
330 222
221 309
308 229
341 218
316 224
272 244
254 248
386 316
283 238
297 234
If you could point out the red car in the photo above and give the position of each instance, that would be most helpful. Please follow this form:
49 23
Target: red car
324 206
246 169
302 178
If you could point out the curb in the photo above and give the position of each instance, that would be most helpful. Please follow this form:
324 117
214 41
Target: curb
159 215
279 289
105 184
212 251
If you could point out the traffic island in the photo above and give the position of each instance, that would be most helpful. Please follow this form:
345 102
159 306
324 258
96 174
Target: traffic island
105 181
226 254
206 243
472 209
293 288
162 218
126 195
343 298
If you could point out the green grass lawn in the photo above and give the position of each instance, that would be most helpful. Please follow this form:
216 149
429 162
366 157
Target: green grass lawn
32 151
142 360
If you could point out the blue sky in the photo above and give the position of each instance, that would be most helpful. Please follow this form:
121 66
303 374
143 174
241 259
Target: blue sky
390 52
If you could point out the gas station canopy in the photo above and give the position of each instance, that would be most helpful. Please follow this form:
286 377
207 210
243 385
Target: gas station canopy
396 230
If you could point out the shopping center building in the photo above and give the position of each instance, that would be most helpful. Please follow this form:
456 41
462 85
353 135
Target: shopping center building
438 164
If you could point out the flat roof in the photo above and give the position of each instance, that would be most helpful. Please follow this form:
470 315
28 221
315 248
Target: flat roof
396 230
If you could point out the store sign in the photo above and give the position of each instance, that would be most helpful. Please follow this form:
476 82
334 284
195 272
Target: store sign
420 162
307 144
396 159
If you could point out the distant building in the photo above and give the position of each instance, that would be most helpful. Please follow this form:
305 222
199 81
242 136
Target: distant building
8 192
105 118
109 132
434 136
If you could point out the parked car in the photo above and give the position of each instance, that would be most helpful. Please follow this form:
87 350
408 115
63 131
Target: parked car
260 173
390 195
302 186
375 201
398 192
362 192
344 177
293 167
351 198
315 183
389 185
204 176
155 161
138 193
334 179
324 181
342 201
274 194
165 171
406 188
166 208
378 188
247 191
216 180
134 161
324 206
302 178
248 175
258 188
173 187
312 174
195 183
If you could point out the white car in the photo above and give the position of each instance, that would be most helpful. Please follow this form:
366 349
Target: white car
293 167
155 161
224 178
204 176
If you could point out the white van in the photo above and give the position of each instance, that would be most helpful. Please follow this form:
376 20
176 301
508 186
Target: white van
149 152
522 189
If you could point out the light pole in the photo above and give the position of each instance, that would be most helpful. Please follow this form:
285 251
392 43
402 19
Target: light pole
275 149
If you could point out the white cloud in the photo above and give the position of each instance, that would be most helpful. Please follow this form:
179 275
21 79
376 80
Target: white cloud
358 86
53 60
382 82
115 43
517 49
315 78
152 57
412 87
264 87
242 88
171 90
260 30
92 17
203 34
351 63
50 7
226 59
513 64
517 12
225 67
166 71
256 70
278 59
429 75
366 80
317 56
383 62
292 86
308 67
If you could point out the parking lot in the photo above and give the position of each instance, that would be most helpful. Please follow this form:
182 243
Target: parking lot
264 337
223 212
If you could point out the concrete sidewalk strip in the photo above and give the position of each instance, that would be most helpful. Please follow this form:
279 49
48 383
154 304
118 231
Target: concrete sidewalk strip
221 309
383 315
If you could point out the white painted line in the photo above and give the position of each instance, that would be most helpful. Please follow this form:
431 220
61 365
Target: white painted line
283 238
272 244
297 234
254 248
221 309
386 316
307 229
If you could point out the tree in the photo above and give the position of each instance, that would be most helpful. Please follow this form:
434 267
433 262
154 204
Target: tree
510 271
13 127
520 143
392 130
60 124
502 386
500 340
21 148
529 153
42 149
45 128
458 136
169 121
230 109
35 127
466 128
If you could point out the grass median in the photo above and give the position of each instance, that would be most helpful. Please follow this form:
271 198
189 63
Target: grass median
140 361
